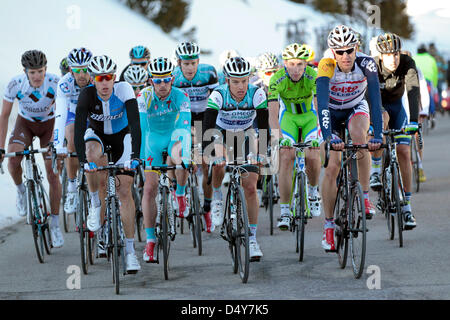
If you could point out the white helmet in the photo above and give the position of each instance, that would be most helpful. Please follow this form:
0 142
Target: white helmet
268 61
342 36
135 74
79 57
227 54
160 66
237 67
187 51
101 65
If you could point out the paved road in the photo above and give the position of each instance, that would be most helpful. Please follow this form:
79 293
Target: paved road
420 270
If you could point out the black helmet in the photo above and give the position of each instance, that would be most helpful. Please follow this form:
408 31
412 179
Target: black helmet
64 66
389 43
34 59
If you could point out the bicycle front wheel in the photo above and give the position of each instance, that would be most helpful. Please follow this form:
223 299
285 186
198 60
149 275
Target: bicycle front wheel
33 212
340 232
300 214
164 235
270 202
242 235
115 243
197 218
396 202
357 229
44 207
81 215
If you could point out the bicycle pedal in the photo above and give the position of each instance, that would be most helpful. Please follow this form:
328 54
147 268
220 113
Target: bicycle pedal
255 259
132 271
330 250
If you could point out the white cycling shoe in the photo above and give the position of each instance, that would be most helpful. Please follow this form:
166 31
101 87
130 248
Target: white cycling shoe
71 202
132 262
217 213
57 237
93 220
21 203
255 251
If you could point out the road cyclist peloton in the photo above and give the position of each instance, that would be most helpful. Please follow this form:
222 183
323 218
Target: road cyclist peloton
112 111
197 80
35 90
397 72
232 108
165 118
342 81
291 97
68 90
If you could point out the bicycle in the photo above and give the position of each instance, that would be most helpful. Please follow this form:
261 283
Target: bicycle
38 201
270 195
137 192
415 157
235 228
298 200
165 228
349 209
196 210
391 197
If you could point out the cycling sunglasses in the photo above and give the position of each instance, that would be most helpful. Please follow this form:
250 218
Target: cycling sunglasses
140 87
107 77
341 52
142 63
78 70
160 80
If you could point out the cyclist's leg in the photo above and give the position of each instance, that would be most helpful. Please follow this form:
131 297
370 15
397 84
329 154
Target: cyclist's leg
71 163
312 155
249 181
21 137
181 175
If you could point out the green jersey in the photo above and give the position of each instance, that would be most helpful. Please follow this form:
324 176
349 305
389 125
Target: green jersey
296 96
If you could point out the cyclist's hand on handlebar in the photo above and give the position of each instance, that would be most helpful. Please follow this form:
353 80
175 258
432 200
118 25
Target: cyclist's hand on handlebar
411 128
131 165
374 144
337 144
61 153
2 152
285 142
90 167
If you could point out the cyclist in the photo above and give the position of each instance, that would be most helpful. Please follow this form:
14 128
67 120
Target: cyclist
197 80
112 112
232 108
64 66
341 85
291 94
35 89
268 64
137 77
224 56
165 117
67 93
397 72
140 56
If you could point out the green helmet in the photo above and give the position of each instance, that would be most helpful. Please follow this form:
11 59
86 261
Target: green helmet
296 51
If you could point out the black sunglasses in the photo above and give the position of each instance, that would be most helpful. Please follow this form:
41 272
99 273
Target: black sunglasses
341 52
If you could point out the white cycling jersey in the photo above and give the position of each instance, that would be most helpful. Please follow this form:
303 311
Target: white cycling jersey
35 104
424 96
66 101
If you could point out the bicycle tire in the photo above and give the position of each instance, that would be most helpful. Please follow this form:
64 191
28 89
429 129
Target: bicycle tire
165 231
45 207
270 203
115 244
415 163
242 235
63 198
32 209
229 232
340 233
397 204
81 230
302 217
358 229
197 218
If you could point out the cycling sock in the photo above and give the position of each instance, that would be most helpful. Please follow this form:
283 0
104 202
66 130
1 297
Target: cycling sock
181 190
407 207
329 223
366 195
419 162
21 188
313 191
129 246
72 185
217 193
54 221
95 200
253 228
207 205
151 237
376 165
285 209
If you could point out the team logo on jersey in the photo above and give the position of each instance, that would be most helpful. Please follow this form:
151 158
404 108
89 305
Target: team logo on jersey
64 87
369 64
344 89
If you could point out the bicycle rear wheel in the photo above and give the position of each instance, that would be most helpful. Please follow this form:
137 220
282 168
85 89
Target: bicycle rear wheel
197 218
415 163
242 235
357 226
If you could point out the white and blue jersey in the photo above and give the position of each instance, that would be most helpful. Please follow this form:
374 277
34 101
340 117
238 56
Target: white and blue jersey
198 89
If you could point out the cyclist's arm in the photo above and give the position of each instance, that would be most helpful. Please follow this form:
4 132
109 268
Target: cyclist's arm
81 123
273 106
62 107
142 105
4 117
183 129
325 73
135 126
210 116
413 91
374 94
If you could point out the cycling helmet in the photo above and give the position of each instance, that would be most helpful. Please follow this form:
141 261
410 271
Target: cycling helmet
79 57
342 36
101 65
296 51
135 74
160 66
389 43
227 54
34 59
237 67
64 66
139 52
187 51
268 61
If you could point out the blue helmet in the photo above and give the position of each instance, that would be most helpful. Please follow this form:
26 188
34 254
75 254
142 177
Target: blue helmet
139 52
